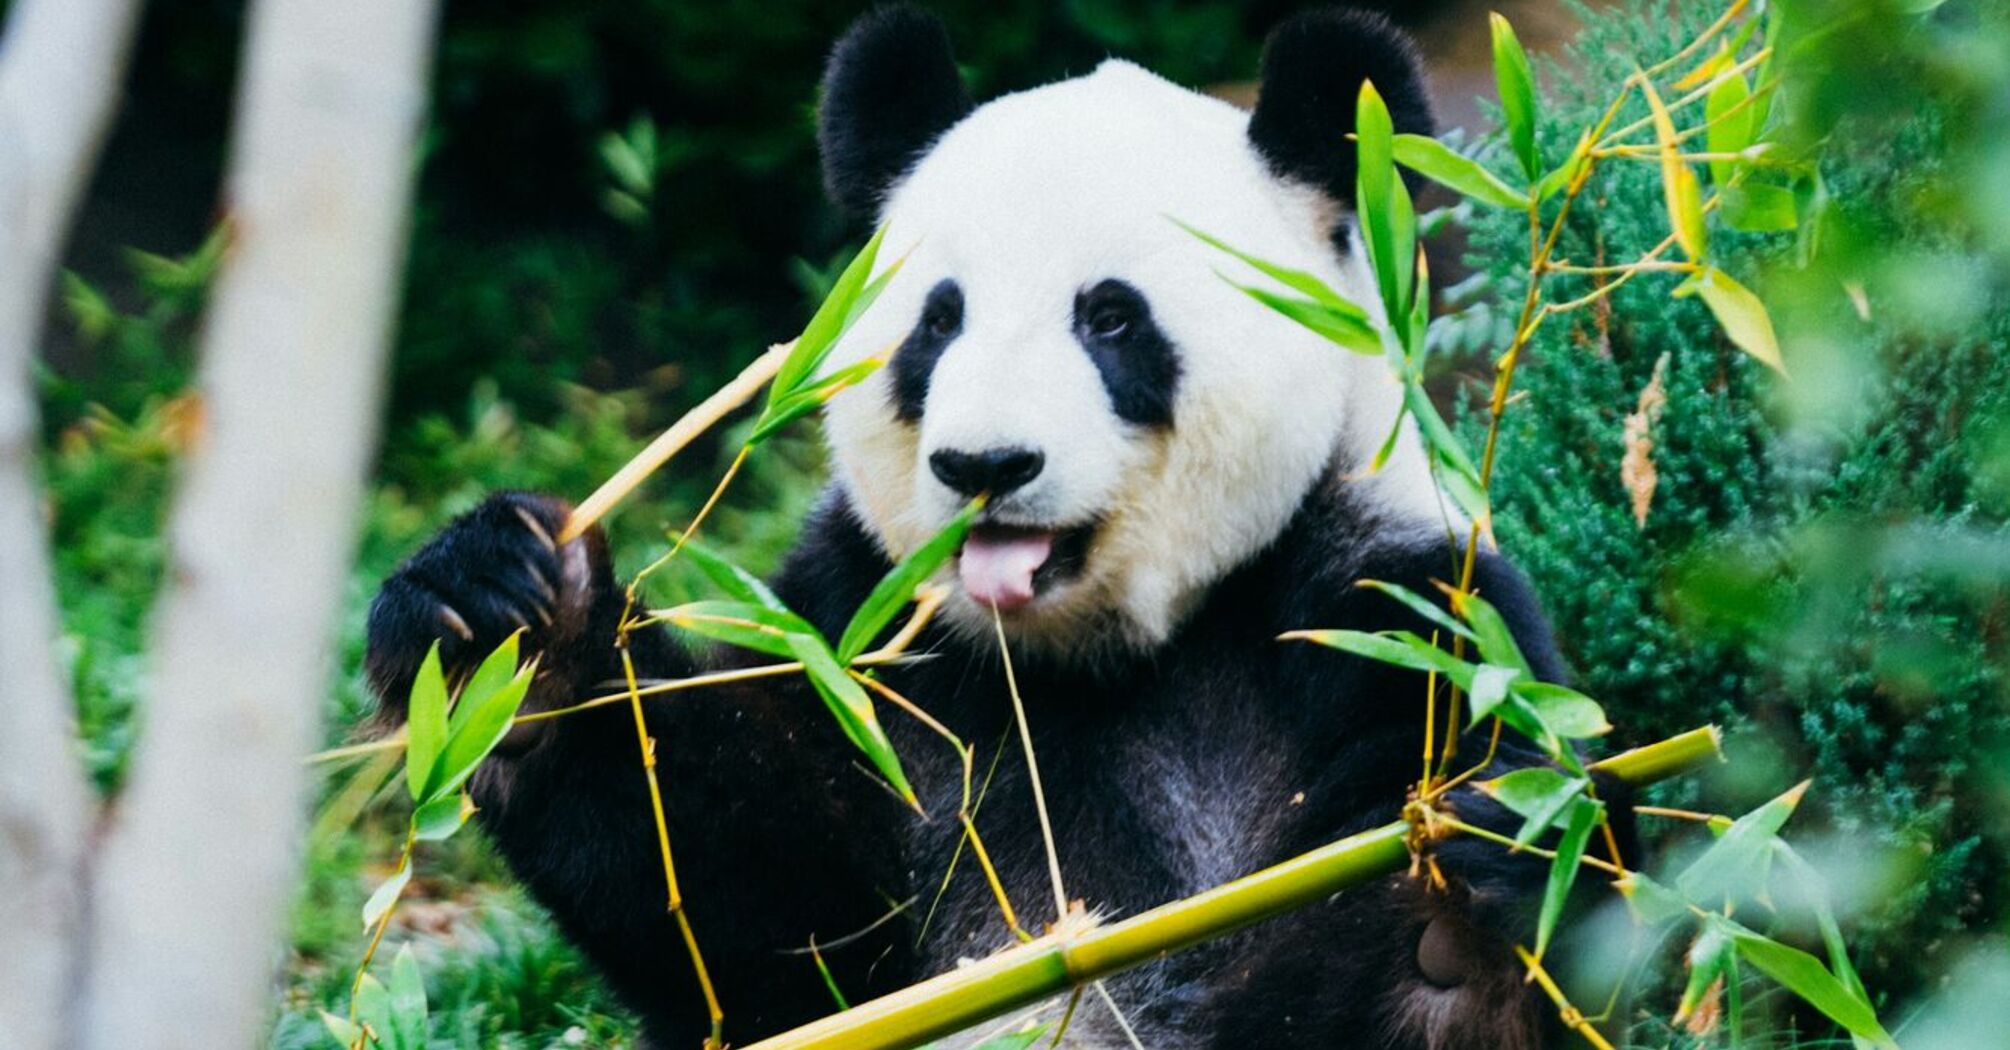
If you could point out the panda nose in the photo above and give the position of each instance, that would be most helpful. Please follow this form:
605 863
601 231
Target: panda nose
994 470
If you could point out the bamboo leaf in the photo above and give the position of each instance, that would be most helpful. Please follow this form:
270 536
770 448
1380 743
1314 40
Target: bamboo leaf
373 1008
1538 793
811 397
1489 687
1436 161
896 589
1684 196
1383 205
407 1001
495 671
1567 712
1709 958
1517 93
1019 1040
1497 643
386 894
1296 280
439 818
1420 605
1726 866
1760 207
1804 975
748 626
1339 327
425 724
1584 816
1730 128
1401 648
848 701
846 301
487 723
1742 315
738 583
345 1031
1651 901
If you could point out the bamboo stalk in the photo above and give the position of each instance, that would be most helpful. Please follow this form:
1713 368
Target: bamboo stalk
672 441
1026 974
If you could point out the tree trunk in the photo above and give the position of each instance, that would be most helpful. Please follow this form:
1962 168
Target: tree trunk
61 63
198 865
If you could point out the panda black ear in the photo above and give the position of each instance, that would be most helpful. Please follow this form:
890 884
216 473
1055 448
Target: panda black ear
1313 66
890 90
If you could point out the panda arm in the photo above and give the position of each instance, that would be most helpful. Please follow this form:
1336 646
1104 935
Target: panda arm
755 779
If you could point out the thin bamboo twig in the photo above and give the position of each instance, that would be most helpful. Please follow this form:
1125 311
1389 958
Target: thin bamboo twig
672 441
1571 1015
1032 772
1057 963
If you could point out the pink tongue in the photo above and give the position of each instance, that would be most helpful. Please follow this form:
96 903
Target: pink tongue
998 570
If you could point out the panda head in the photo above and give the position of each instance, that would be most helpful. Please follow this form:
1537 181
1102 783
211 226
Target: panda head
1059 342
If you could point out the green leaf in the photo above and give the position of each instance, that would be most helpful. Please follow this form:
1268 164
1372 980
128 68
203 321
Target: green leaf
1497 643
1742 315
1726 866
738 583
344 1031
1383 204
1436 161
386 894
1339 327
1709 958
754 627
407 1002
1297 280
1729 132
1420 605
1567 712
441 817
1401 648
1490 687
1517 91
1653 902
1019 1040
810 398
839 309
425 724
487 723
1759 207
896 589
1538 793
1804 975
373 1008
1584 816
1682 193
495 672
1816 889
848 701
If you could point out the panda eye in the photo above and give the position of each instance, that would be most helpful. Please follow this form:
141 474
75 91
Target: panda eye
941 323
1109 323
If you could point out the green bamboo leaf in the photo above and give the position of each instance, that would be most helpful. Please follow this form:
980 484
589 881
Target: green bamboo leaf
1804 975
839 308
1726 866
386 894
1567 712
896 589
1682 193
1489 688
344 1031
1296 280
1730 128
1339 327
1539 794
373 1008
407 1002
1401 648
441 817
738 583
1019 1040
746 625
810 398
425 723
1436 434
1420 605
1497 643
1742 315
1436 161
1709 958
1815 888
1517 92
495 671
1760 207
487 723
848 701
1382 204
1651 901
1584 816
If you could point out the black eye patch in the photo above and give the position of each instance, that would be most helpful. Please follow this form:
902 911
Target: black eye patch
1139 365
941 321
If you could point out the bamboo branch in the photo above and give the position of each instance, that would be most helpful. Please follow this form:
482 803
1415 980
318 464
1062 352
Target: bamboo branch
672 441
1059 962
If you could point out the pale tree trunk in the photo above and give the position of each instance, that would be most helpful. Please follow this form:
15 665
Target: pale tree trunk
61 62
198 865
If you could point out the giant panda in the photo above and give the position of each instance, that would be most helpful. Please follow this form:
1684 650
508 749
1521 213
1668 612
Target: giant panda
1175 477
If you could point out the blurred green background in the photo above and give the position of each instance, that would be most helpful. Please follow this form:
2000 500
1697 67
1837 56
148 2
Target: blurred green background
618 205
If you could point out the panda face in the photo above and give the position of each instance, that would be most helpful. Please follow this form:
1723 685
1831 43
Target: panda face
1059 343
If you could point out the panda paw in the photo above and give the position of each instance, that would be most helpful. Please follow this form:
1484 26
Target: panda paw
496 570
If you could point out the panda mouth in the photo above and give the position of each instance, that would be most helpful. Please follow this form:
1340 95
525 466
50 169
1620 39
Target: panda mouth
1008 566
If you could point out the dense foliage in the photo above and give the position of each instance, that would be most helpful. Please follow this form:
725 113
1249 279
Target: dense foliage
1820 565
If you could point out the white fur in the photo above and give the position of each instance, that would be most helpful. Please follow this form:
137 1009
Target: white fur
1038 195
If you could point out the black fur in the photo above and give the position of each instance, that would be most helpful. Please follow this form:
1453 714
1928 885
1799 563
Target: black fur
1221 752
1313 66
1139 365
890 90
941 321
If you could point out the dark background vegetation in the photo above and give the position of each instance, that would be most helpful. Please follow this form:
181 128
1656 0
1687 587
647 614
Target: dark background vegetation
1822 569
